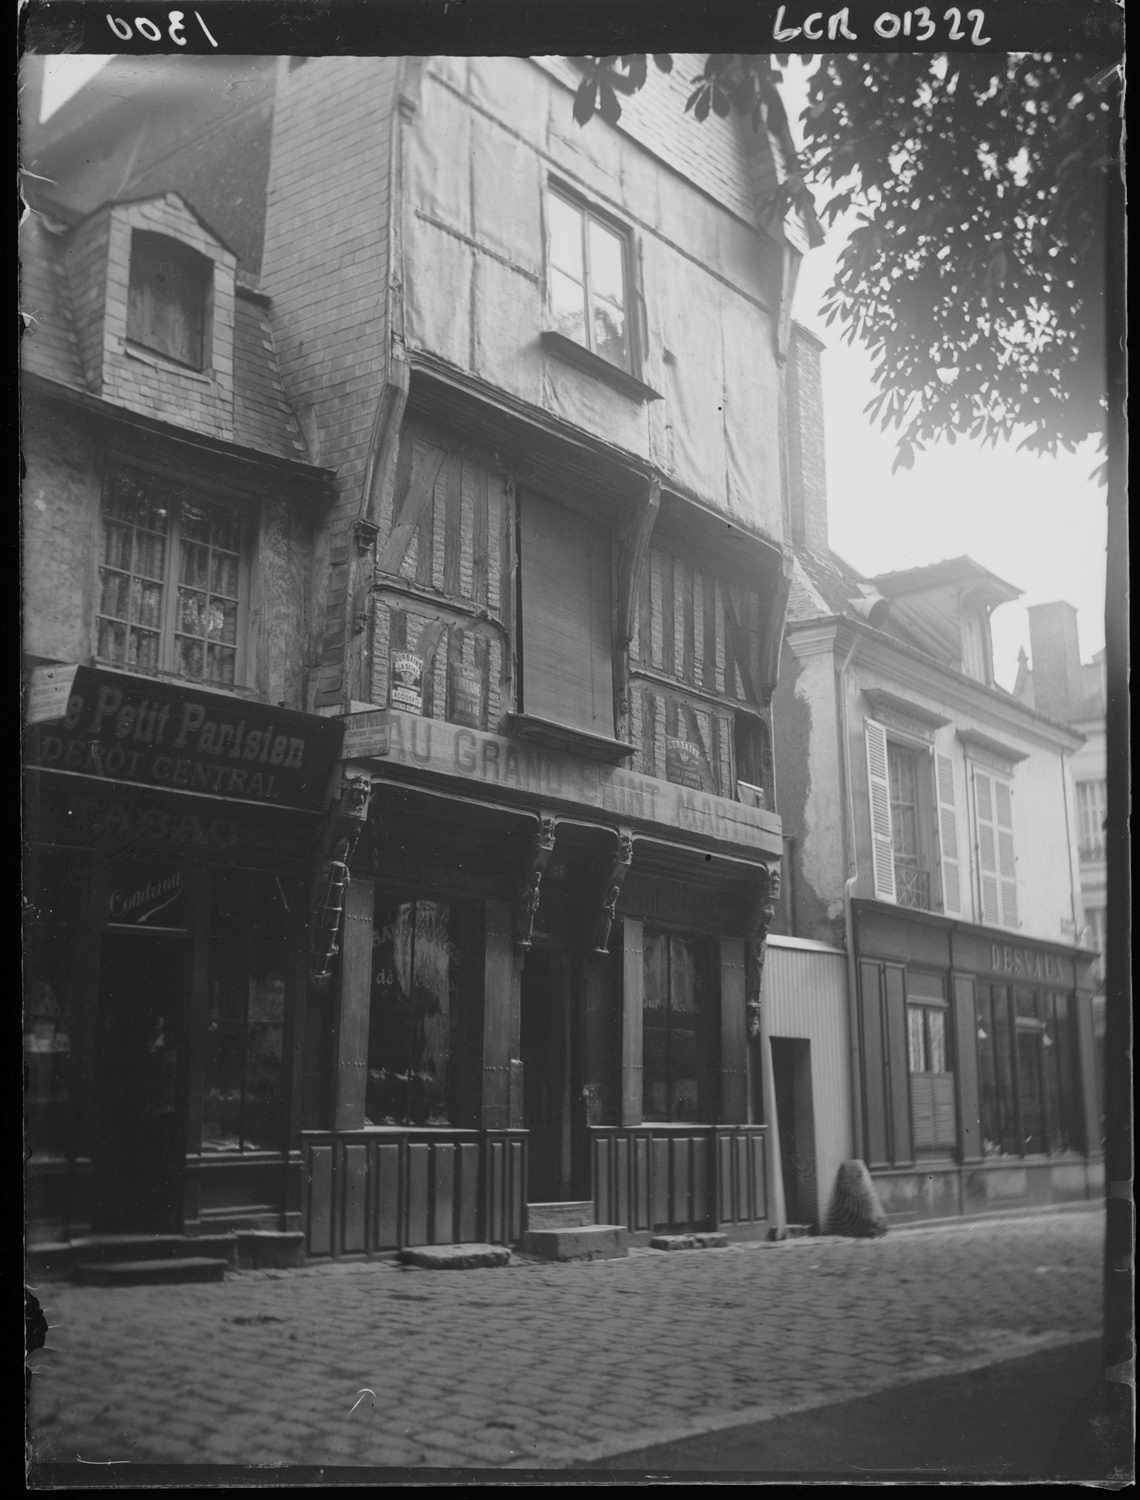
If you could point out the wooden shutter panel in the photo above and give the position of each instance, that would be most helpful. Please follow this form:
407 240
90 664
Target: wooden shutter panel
882 847
948 835
987 847
566 642
1007 868
945 1114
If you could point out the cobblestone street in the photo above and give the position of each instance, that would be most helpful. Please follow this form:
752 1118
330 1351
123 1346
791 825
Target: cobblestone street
538 1365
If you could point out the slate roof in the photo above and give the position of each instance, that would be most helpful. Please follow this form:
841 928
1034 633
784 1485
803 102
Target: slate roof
49 346
263 419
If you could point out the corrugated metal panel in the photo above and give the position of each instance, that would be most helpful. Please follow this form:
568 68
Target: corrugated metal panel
806 990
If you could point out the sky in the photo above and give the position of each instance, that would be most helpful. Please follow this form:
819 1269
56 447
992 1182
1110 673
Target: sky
1038 523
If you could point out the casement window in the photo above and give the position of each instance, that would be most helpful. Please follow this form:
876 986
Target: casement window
1095 922
423 968
993 835
1092 810
251 963
680 1027
1027 1071
172 581
168 303
565 624
914 830
588 281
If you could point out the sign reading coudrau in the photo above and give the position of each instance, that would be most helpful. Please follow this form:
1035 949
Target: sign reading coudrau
165 735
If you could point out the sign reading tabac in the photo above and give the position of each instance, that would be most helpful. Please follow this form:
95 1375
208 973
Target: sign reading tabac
179 738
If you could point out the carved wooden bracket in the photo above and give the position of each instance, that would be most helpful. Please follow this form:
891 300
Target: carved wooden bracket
326 906
530 894
612 888
760 921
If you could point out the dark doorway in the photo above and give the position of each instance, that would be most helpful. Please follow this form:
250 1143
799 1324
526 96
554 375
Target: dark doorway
549 1057
791 1075
140 1053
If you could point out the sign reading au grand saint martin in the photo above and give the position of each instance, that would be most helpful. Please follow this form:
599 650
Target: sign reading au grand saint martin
120 728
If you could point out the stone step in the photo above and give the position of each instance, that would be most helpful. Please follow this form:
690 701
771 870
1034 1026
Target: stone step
106 1247
698 1240
791 1232
276 1248
580 1242
559 1215
150 1272
455 1257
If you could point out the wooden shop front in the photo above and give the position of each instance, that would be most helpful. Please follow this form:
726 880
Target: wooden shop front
977 1063
170 839
541 996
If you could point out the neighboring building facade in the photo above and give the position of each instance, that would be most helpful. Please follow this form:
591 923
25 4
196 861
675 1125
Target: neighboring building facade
930 830
1060 685
539 374
175 783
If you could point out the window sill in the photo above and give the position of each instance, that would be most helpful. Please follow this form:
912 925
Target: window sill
158 361
564 737
593 364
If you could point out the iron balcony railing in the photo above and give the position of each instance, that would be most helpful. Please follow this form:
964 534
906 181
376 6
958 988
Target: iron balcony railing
912 886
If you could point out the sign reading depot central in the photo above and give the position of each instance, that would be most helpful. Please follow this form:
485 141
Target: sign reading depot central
166 735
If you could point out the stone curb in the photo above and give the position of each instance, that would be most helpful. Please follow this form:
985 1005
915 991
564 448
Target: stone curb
725 1421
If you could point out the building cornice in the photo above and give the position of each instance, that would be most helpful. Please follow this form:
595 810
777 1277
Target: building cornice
916 671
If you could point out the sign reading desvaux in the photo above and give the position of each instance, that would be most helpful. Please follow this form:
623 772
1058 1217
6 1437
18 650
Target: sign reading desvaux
181 738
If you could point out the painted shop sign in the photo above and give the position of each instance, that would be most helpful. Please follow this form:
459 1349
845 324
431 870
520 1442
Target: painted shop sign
366 735
683 763
407 690
468 697
1025 963
165 735
508 766
177 824
150 896
48 694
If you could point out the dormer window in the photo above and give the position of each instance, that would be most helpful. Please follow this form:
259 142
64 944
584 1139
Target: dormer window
169 301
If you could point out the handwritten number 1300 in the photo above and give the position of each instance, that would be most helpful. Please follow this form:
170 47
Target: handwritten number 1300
152 32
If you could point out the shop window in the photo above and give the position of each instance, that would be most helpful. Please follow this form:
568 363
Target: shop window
588 281
1029 1093
993 837
914 830
566 624
252 955
424 978
679 1027
172 581
52 944
169 298
1092 810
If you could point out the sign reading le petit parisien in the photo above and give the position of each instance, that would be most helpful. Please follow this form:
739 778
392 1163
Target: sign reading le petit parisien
165 735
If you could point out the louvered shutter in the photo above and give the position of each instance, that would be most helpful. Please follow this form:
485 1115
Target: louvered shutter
1007 869
948 835
987 847
882 848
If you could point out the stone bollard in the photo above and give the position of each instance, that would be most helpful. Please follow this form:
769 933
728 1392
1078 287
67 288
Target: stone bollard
855 1206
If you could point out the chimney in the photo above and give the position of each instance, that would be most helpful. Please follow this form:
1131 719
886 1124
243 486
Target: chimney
1057 682
807 474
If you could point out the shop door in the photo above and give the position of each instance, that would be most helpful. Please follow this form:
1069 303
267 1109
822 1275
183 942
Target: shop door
549 1053
791 1075
139 1083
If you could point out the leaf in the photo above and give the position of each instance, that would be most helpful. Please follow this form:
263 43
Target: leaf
584 100
664 61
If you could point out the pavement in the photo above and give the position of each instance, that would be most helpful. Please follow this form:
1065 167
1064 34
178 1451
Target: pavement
352 1367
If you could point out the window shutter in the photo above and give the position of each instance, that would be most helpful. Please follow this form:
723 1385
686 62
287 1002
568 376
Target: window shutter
882 848
987 847
1007 868
948 835
945 1123
566 625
